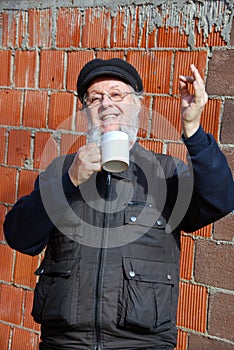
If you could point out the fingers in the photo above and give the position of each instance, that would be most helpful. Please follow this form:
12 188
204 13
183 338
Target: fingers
89 153
186 79
196 75
196 78
86 162
192 104
197 82
183 86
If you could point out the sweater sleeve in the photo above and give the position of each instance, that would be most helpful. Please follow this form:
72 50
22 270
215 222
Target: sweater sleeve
29 223
213 194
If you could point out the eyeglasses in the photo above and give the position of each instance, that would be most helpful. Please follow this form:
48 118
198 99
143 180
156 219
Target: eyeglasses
115 96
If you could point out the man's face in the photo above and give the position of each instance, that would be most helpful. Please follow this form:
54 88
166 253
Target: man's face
108 113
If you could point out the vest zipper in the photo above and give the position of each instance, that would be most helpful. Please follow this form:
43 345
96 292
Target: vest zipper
101 258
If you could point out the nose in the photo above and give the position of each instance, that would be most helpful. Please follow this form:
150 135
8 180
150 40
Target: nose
106 101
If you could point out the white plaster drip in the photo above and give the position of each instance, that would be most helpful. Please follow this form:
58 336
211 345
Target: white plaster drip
183 14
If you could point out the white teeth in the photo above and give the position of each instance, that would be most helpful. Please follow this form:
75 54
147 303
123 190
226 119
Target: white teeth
108 117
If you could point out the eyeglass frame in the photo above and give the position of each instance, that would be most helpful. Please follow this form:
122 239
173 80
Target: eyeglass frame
125 93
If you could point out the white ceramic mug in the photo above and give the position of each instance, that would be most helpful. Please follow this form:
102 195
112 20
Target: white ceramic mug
115 151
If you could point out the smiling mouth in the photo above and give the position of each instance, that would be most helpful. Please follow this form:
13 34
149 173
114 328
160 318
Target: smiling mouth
109 116
109 119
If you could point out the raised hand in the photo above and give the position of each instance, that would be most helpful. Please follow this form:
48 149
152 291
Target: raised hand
192 106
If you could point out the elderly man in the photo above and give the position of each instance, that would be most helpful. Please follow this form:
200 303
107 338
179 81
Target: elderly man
110 275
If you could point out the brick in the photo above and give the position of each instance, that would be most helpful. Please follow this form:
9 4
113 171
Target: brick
26 182
7 185
24 270
220 79
60 110
9 26
124 29
177 150
221 316
51 69
154 68
96 28
69 22
76 60
78 106
45 150
232 34
187 255
204 231
5 62
14 24
224 228
183 60
81 121
6 261
171 37
71 143
211 265
35 109
11 299
181 340
18 147
24 337
227 130
25 68
214 38
152 37
5 335
199 342
210 117
192 307
10 101
144 117
27 318
3 134
229 154
22 30
155 146
166 121
107 55
39 28
2 218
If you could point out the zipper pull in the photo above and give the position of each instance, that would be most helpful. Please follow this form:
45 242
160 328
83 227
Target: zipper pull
97 347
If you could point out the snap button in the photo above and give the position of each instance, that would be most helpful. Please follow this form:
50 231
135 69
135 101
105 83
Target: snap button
133 218
159 222
132 274
169 277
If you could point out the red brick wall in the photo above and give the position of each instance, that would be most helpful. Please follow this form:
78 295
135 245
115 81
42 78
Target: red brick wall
41 53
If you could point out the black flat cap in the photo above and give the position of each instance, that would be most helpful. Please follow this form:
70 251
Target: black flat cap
114 67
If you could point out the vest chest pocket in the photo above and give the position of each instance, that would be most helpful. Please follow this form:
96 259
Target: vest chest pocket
145 301
140 214
56 294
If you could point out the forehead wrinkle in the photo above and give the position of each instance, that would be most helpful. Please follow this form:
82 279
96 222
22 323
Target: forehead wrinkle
116 84
99 90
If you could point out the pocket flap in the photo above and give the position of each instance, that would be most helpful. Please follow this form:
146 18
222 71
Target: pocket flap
144 216
63 268
150 271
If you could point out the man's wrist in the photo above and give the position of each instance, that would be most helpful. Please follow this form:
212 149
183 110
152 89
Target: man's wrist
189 129
197 142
